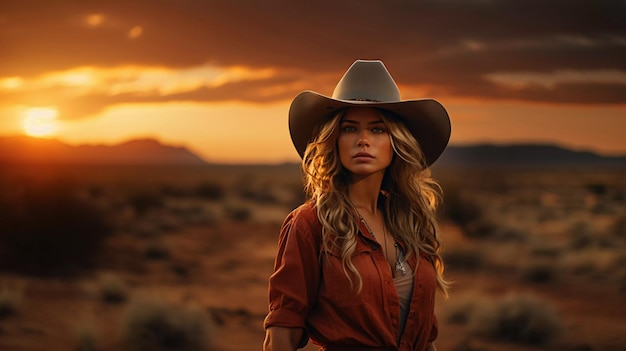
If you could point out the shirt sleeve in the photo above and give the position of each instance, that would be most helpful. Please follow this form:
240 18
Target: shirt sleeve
434 331
293 286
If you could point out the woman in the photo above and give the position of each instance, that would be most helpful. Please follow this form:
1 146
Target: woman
358 265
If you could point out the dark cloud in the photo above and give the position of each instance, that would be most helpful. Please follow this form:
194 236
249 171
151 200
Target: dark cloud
448 46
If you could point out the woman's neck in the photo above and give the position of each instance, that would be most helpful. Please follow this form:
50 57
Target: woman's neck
364 192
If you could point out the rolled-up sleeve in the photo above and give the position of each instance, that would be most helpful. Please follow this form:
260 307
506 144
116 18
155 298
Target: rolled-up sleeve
434 331
293 286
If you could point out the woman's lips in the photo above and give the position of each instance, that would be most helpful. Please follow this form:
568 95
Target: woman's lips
362 156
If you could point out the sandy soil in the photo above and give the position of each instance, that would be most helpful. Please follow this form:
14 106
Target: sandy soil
226 268
222 267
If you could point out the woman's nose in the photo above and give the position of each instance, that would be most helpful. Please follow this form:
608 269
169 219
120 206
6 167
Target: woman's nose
362 138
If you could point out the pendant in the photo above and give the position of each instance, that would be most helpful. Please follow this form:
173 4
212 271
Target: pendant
400 267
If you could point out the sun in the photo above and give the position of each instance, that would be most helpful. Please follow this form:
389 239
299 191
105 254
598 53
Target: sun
40 122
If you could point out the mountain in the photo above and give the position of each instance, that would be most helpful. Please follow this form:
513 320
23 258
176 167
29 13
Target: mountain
152 152
525 155
22 149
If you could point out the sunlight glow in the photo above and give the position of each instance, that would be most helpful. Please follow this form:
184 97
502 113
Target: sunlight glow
133 79
551 79
94 20
11 83
135 32
40 122
78 78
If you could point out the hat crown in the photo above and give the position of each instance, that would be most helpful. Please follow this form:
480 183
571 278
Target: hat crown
367 80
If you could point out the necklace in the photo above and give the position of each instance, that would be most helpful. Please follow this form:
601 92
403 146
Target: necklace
399 264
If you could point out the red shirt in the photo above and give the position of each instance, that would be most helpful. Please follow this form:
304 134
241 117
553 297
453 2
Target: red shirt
311 292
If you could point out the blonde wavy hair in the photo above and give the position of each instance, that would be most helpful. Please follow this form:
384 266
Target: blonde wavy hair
409 204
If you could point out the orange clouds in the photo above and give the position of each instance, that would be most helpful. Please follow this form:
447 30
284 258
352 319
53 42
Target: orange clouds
88 58
95 88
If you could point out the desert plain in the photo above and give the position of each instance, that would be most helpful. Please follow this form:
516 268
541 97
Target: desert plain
178 258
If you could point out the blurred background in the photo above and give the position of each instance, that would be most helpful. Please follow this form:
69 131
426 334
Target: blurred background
146 164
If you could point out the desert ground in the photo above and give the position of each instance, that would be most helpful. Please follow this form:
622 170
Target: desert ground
178 258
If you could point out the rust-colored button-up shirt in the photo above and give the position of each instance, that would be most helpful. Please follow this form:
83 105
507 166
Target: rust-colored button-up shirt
311 292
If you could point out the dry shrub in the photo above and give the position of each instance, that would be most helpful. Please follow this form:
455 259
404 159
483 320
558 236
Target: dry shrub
86 336
157 250
581 236
596 263
112 289
192 212
213 191
11 298
460 309
539 271
154 224
619 227
546 251
459 208
464 258
597 188
579 263
156 325
487 228
521 319
175 190
47 228
262 195
296 190
238 213
621 281
144 201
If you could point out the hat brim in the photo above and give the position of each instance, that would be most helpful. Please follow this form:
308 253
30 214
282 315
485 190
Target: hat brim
426 119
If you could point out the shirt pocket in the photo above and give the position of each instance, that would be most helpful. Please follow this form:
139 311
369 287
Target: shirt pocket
335 286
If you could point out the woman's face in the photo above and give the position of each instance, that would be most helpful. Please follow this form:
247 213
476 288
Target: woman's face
364 143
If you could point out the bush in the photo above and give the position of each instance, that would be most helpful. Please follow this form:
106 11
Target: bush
113 289
143 201
619 227
621 280
517 318
546 251
581 236
465 258
157 250
211 191
238 213
260 194
486 228
86 337
153 325
539 271
10 300
46 228
580 262
597 188
460 209
461 309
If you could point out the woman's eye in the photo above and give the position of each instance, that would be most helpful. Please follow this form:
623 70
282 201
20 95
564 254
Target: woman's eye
378 130
348 129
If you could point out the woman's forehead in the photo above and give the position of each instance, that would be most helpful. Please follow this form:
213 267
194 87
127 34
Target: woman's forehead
362 114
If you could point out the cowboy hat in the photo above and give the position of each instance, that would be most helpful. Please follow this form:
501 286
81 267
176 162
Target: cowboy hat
368 83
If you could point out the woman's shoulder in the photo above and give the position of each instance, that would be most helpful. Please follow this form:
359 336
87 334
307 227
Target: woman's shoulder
307 209
304 214
303 223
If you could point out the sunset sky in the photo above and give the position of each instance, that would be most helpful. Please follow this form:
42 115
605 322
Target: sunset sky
218 76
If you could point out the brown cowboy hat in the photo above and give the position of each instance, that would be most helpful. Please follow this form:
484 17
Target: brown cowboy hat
368 83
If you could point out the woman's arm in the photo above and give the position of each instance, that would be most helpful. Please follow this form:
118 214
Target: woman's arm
431 347
282 339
